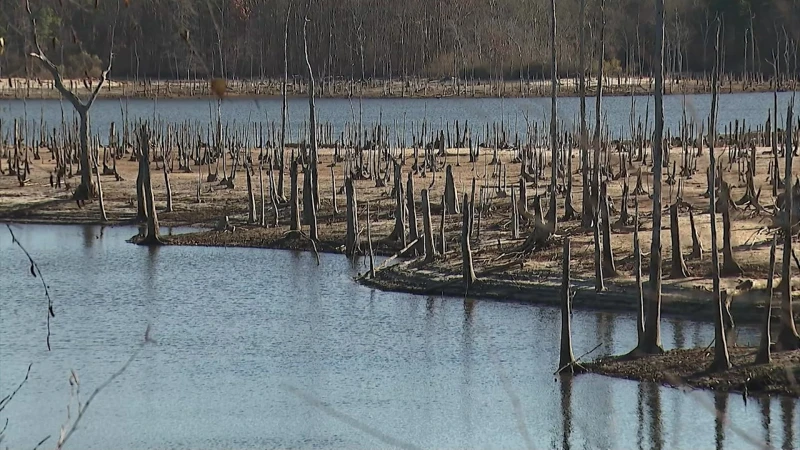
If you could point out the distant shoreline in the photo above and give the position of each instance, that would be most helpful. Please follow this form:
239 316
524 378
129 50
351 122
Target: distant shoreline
38 89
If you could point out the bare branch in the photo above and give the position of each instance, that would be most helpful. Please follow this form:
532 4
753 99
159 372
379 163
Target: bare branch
104 75
57 79
7 399
36 273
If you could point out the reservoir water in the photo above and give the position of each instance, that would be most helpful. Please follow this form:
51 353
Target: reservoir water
265 349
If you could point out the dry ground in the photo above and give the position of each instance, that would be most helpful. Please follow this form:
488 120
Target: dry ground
377 88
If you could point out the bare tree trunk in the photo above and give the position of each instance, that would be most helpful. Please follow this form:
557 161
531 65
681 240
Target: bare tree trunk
284 118
788 338
450 193
566 360
167 185
586 216
369 245
294 223
697 246
251 199
609 266
595 188
552 216
764 356
637 267
721 357
413 233
652 338
679 270
730 268
262 218
427 227
466 249
351 238
312 126
103 216
153 236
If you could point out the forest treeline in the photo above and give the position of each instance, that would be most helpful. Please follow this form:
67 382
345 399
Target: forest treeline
481 39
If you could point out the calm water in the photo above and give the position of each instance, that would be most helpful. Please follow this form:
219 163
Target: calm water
249 340
515 113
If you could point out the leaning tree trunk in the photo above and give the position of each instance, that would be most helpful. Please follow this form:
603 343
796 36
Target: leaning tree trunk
652 338
552 215
764 356
788 338
697 246
721 357
595 188
399 232
103 216
466 249
168 187
312 129
679 270
153 236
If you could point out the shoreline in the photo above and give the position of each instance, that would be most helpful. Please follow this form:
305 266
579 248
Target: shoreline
384 89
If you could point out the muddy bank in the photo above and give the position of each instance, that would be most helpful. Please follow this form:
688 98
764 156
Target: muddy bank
681 368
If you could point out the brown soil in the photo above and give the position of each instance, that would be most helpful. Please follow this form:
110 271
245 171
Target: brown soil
690 367
378 88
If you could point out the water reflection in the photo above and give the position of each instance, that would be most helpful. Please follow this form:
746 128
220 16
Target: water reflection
566 410
720 418
787 414
765 420
652 395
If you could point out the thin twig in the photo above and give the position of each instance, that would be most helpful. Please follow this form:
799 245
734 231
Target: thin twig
7 399
34 271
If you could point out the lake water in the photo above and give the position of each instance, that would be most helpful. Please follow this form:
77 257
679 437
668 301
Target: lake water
752 108
264 349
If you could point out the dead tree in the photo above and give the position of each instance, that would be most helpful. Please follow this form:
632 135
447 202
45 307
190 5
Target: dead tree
697 246
788 338
399 232
679 270
637 267
450 193
312 130
764 356
609 267
466 249
427 227
552 216
152 237
294 219
351 237
413 233
85 190
721 357
730 268
652 338
586 216
369 245
251 199
566 360
167 184
443 248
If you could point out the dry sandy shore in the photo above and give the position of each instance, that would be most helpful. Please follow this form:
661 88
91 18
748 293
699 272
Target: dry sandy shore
526 278
416 88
